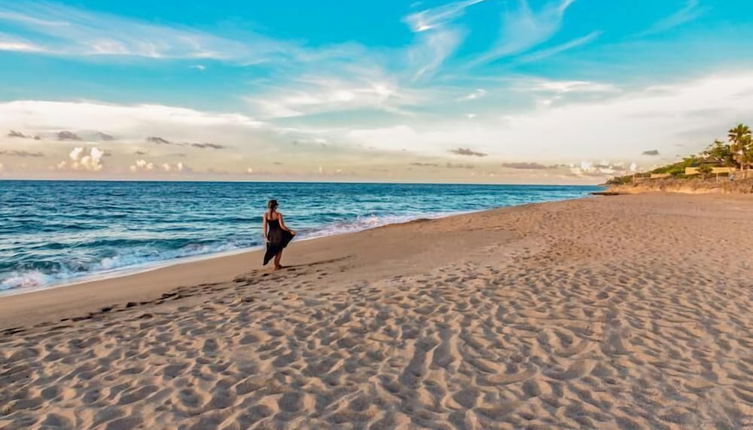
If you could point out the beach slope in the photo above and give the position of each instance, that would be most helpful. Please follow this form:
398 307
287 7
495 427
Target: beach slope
619 312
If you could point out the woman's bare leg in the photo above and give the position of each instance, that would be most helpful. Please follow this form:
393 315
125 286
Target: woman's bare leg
277 261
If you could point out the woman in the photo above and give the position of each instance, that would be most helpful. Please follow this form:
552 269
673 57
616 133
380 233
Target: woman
276 234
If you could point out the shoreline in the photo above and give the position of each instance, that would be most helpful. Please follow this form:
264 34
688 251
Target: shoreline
102 248
161 264
125 272
27 306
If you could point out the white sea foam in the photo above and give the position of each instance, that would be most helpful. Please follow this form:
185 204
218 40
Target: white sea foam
29 279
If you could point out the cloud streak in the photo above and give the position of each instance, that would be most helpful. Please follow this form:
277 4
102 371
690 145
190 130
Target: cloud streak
524 28
555 50
689 12
433 18
63 30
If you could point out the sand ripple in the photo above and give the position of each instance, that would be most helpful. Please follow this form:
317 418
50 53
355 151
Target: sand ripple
549 333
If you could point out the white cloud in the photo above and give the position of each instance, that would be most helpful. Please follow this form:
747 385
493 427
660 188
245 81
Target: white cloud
602 169
122 119
616 127
316 94
590 119
75 154
83 161
432 18
142 166
546 92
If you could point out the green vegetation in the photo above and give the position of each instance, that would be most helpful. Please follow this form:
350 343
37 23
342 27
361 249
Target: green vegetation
737 153
705 171
678 169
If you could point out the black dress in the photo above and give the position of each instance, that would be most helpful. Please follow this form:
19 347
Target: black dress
278 239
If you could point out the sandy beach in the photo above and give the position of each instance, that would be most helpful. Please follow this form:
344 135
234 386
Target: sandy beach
618 312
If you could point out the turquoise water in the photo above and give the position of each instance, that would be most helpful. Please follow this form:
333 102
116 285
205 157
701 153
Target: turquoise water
54 232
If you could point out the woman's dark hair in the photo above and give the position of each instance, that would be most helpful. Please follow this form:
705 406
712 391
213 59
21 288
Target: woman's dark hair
272 204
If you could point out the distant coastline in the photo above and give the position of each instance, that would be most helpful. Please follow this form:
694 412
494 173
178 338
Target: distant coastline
723 167
687 186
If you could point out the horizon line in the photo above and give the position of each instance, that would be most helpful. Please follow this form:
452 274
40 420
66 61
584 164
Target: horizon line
299 182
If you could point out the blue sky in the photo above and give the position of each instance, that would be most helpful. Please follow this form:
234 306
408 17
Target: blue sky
470 90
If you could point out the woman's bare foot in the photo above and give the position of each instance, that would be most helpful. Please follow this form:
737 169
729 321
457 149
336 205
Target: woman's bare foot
279 267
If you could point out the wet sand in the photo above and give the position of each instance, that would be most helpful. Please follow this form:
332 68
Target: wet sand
618 312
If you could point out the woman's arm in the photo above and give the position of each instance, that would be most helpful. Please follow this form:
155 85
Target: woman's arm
283 226
264 227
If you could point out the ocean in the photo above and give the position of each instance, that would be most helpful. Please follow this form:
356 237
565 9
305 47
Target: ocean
55 232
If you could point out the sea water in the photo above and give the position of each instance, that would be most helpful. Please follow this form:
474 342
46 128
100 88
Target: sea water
54 232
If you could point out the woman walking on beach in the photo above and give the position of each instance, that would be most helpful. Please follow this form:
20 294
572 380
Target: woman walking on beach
276 234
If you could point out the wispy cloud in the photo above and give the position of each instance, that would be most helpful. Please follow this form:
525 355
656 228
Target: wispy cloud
11 43
432 50
473 95
690 11
565 87
120 119
318 94
437 39
63 30
524 28
549 52
428 19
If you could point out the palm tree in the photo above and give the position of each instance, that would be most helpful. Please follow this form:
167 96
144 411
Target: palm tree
740 142
719 152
